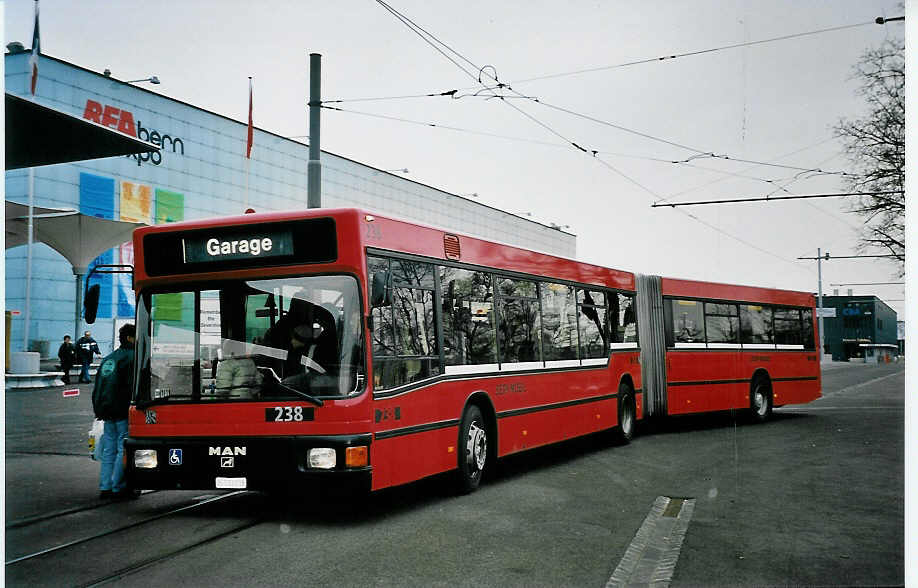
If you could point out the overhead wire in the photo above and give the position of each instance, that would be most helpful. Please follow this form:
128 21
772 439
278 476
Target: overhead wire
702 221
692 53
433 41
447 127
416 28
699 153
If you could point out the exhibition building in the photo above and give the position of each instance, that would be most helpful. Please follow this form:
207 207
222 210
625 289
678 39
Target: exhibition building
200 170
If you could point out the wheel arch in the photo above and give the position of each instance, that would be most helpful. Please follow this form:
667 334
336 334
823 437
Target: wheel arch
760 375
481 399
627 379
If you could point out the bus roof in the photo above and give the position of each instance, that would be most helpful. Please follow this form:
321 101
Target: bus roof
713 290
372 230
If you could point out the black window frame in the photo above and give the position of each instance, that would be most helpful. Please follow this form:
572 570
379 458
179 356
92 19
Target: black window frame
495 275
805 335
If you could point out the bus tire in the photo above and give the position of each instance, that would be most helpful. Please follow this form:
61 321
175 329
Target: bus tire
473 450
760 401
624 431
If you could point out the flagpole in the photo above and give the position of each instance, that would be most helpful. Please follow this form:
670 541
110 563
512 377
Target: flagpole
248 147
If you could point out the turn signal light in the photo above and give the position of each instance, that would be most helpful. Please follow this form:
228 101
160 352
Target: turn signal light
356 457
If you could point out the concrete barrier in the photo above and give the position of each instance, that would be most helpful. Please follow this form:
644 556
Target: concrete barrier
25 362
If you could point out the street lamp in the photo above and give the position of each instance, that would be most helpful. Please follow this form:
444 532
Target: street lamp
403 170
151 79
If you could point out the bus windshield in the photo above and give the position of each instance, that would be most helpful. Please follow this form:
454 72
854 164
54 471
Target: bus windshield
251 340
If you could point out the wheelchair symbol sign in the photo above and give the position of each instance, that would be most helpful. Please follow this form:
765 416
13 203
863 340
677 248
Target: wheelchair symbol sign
175 457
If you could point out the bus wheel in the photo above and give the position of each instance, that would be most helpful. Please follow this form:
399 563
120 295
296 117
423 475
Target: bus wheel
624 432
760 401
473 449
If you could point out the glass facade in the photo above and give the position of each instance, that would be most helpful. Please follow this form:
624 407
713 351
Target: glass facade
199 173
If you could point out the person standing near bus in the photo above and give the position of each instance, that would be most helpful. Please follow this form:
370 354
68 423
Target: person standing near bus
86 349
67 354
111 399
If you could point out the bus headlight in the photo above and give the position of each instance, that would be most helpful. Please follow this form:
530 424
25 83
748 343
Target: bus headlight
145 459
322 458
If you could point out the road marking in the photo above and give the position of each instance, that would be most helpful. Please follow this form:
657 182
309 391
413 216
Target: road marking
863 384
651 558
812 408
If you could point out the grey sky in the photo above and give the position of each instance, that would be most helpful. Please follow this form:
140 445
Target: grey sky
772 102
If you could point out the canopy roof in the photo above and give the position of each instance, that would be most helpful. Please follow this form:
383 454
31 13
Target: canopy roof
78 237
38 135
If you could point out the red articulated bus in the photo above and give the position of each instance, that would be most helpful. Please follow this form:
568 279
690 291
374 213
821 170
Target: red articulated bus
336 346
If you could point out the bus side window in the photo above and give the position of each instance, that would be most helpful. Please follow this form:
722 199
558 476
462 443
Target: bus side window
405 347
467 317
560 340
687 321
668 323
756 325
787 326
627 328
519 321
592 319
721 322
809 342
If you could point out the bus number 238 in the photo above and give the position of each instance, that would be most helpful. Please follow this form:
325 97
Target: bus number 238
287 414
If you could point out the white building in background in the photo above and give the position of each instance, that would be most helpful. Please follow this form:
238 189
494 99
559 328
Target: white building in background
199 173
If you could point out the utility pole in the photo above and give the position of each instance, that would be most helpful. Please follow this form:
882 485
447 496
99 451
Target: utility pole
822 336
314 167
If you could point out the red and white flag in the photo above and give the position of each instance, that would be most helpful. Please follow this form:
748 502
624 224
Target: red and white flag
248 142
36 49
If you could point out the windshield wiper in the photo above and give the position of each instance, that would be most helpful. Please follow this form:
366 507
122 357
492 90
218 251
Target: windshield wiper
280 384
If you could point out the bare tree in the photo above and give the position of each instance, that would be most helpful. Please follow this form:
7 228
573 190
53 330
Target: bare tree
876 145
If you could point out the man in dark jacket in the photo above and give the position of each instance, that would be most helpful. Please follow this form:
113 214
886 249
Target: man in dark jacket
111 399
67 354
86 348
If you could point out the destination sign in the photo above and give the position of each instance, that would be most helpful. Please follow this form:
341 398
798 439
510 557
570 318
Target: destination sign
205 248
230 247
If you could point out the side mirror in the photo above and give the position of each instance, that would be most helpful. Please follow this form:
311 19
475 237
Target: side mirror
91 303
380 294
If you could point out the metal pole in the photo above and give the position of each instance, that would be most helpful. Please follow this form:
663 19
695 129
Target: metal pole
28 284
314 167
78 307
822 337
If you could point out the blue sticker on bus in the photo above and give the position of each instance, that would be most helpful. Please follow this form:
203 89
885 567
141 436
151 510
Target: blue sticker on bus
175 457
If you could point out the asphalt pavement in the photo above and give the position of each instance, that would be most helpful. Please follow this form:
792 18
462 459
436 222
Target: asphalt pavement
816 496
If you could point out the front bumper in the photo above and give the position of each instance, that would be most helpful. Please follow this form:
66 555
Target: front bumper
251 463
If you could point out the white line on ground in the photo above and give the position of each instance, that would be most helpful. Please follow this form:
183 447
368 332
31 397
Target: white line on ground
859 408
863 384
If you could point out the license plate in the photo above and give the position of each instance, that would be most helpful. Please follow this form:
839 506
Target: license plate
234 483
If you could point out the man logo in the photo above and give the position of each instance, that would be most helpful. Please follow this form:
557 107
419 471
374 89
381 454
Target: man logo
226 462
226 450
